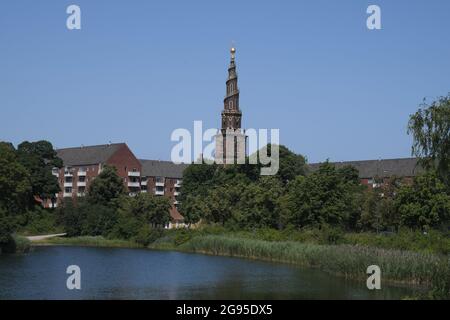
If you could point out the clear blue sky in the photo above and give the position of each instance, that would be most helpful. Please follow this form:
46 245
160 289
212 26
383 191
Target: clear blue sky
139 69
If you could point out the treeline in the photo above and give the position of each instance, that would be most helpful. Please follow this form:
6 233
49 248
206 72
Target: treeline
238 197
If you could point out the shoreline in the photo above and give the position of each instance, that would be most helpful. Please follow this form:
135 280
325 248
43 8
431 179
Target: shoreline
193 248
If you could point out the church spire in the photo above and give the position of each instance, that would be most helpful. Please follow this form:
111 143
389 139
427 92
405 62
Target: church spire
231 142
231 114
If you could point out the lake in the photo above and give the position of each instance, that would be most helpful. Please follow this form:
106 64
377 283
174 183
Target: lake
111 273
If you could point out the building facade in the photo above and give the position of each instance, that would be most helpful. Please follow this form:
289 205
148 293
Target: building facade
231 141
83 164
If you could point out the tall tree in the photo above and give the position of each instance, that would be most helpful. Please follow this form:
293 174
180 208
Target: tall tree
327 196
106 188
39 158
193 209
291 164
258 204
15 187
425 204
430 127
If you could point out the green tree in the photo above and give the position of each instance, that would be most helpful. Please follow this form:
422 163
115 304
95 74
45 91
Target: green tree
71 218
326 196
99 219
106 188
220 203
6 228
128 223
197 180
193 209
39 158
15 187
425 204
430 127
147 209
291 165
159 210
258 204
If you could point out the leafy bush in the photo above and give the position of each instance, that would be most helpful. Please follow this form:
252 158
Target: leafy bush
39 221
147 235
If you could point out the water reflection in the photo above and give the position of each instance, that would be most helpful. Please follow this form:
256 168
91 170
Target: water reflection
143 274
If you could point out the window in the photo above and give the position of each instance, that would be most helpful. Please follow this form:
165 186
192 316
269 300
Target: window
68 190
159 179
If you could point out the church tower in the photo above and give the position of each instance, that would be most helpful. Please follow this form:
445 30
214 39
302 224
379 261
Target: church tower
231 141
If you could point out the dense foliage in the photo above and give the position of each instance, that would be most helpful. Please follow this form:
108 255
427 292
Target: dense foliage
108 211
236 197
25 176
430 127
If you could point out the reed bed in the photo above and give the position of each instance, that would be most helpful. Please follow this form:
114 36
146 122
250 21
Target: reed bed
347 260
88 241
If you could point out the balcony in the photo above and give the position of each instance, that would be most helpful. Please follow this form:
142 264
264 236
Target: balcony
159 192
134 174
81 173
176 193
134 184
55 172
67 194
81 183
143 182
68 184
178 184
159 183
81 194
68 174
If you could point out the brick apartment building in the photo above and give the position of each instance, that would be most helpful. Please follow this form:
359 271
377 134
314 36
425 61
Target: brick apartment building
83 164
375 172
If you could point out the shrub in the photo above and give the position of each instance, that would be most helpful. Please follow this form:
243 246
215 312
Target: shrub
147 235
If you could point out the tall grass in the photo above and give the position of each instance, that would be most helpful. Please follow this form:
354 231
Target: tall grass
87 241
348 260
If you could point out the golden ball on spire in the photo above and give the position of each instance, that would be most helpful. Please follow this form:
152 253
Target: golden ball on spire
233 53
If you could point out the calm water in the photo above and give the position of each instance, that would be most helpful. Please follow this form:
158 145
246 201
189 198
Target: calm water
145 274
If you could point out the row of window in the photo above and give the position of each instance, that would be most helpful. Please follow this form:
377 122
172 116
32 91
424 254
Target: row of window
80 179
82 190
